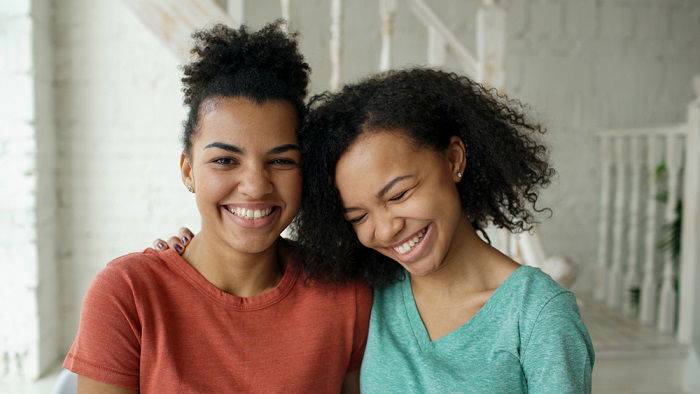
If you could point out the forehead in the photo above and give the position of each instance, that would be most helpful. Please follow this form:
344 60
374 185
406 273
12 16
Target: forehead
376 158
245 123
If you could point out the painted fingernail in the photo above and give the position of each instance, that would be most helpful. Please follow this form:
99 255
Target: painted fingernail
178 248
160 245
184 239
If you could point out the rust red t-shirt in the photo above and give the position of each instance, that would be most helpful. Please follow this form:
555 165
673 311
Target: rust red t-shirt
151 322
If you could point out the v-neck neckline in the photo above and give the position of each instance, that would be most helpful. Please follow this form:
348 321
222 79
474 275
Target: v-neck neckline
418 327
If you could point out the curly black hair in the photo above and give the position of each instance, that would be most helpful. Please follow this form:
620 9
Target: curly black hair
507 162
260 65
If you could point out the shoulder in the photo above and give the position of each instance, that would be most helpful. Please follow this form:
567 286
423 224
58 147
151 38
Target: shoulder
131 270
534 287
533 293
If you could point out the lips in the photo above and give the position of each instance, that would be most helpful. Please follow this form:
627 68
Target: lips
405 253
252 216
411 242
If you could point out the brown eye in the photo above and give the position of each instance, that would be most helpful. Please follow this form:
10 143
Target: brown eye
224 161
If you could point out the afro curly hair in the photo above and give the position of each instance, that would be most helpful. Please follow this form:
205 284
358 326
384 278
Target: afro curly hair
260 65
508 164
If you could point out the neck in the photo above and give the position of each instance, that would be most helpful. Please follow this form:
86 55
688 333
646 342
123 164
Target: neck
471 265
235 272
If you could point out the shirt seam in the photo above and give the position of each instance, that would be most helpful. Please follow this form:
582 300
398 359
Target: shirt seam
539 313
91 364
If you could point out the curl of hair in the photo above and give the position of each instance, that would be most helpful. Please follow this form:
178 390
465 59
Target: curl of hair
506 163
260 65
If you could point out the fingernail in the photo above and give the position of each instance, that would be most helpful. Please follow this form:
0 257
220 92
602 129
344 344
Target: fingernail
184 239
178 248
160 245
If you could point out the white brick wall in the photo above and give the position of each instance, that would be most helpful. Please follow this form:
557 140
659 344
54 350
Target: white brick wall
25 349
118 120
581 64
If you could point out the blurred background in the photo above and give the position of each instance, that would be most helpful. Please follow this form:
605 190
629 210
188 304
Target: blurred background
91 112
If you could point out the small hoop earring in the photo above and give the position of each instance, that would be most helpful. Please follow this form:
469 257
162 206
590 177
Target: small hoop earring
190 189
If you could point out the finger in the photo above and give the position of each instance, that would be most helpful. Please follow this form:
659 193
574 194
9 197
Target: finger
185 235
159 244
176 243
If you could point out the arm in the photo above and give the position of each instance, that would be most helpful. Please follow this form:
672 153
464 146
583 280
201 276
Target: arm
179 243
351 384
89 386
363 307
559 356
107 345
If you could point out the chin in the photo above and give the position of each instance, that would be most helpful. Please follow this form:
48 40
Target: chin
252 246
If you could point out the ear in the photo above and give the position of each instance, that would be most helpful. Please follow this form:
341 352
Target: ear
186 171
457 156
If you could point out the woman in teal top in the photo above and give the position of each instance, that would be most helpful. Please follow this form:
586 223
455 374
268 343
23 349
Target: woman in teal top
406 167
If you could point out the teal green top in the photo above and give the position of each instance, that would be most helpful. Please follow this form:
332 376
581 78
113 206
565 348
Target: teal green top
528 337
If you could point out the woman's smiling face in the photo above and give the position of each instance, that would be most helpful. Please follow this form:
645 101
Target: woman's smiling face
401 198
245 168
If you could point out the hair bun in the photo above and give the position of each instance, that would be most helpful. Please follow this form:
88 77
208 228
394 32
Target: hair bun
222 51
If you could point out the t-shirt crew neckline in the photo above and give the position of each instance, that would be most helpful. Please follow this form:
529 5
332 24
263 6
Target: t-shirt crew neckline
418 328
242 304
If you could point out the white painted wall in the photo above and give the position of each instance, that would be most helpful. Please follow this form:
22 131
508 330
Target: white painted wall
117 113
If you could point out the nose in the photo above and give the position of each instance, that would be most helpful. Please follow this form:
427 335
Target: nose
387 226
255 183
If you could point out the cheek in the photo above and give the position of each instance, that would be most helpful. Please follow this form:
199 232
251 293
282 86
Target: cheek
364 235
211 185
288 185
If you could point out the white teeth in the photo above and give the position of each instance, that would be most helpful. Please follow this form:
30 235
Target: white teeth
411 243
251 214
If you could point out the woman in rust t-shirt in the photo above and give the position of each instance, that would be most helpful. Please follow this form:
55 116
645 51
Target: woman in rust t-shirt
234 313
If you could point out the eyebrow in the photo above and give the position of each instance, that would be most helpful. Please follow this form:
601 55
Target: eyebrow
228 147
391 184
235 149
283 148
384 190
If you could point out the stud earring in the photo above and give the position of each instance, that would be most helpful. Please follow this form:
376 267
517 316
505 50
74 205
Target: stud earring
190 189
459 175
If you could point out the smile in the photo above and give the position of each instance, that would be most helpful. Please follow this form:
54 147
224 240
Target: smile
408 245
250 214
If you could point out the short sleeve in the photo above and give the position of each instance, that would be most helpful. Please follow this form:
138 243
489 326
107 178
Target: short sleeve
363 300
107 346
559 356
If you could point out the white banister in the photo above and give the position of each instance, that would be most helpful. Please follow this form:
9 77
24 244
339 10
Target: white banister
336 25
667 297
631 280
614 288
428 17
284 10
689 276
490 44
604 224
648 290
437 49
387 13
235 9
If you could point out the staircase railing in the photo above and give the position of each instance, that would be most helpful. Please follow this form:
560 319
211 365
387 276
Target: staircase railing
643 175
